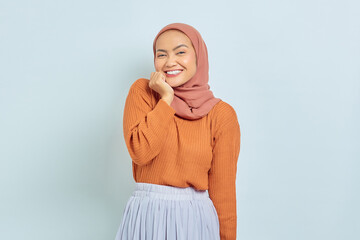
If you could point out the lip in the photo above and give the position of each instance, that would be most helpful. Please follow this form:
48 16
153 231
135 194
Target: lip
173 69
172 75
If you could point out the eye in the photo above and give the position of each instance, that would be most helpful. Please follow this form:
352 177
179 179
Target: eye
164 54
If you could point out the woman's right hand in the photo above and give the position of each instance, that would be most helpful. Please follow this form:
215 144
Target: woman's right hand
158 84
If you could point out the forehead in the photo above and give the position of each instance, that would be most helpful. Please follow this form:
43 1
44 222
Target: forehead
172 37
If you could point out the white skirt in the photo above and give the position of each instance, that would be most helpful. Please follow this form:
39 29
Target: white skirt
159 212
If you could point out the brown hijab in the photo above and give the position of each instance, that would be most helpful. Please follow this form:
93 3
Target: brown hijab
194 99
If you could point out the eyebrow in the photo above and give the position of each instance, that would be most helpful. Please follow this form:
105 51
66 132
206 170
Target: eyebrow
181 45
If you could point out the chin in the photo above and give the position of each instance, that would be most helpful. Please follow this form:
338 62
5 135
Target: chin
175 83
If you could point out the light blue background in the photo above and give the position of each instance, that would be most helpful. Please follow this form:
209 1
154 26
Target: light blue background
290 69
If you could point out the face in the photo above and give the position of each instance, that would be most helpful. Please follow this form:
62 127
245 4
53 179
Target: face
174 51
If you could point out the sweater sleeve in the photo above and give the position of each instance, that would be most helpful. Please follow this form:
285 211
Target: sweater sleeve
145 128
222 175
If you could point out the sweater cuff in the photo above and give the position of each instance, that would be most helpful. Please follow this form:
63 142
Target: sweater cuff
163 109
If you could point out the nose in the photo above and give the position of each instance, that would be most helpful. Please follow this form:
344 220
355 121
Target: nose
171 61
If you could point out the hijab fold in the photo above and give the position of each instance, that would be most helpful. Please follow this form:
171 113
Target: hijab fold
193 99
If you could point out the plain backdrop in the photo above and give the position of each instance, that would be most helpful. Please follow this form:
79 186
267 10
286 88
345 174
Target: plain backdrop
290 69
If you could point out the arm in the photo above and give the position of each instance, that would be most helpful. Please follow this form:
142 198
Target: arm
222 175
145 128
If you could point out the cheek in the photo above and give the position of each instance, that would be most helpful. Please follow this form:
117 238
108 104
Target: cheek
190 63
158 65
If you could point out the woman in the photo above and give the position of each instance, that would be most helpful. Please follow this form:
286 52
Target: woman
184 144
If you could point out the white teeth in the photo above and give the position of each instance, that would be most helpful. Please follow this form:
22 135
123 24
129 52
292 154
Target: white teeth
173 72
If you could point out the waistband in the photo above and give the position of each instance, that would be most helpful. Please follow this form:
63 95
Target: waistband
168 192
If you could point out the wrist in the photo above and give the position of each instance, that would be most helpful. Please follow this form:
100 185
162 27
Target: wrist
168 99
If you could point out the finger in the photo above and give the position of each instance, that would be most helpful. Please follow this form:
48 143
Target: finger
163 76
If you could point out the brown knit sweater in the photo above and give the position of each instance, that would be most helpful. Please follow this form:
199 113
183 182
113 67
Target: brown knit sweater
169 150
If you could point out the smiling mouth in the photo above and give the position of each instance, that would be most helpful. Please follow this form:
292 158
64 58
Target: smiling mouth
173 75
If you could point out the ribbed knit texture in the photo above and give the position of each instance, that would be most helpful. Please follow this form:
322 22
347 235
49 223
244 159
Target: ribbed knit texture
168 150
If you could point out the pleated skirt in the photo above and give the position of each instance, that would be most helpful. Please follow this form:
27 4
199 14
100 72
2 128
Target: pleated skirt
159 212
